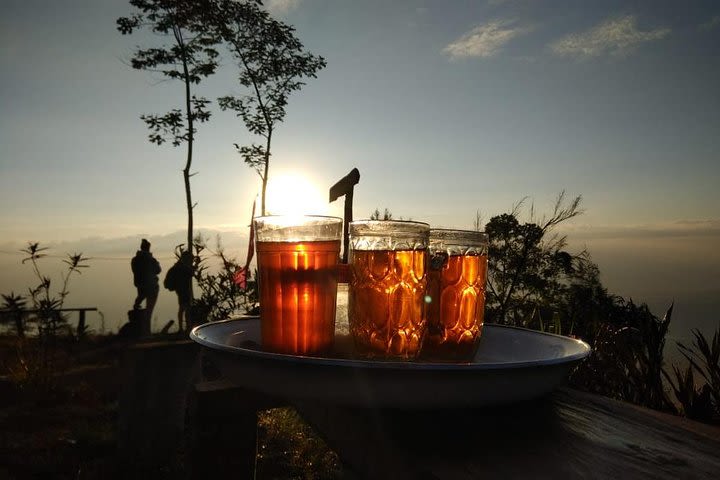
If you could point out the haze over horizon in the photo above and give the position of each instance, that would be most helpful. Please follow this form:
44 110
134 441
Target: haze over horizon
445 108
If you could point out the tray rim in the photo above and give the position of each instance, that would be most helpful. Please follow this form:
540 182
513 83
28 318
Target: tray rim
415 365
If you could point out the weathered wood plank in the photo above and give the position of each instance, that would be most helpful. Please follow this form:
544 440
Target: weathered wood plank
567 435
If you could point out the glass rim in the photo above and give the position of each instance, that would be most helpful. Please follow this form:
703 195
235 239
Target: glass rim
458 230
389 229
368 220
454 236
300 216
388 235
297 228
383 226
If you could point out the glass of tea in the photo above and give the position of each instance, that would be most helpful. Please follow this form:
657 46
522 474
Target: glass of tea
297 260
457 274
387 287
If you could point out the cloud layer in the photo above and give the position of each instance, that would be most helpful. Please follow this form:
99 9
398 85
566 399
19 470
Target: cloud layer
281 7
714 22
484 40
618 37
687 228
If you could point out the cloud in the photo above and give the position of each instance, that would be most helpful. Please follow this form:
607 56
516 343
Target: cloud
685 228
485 40
281 7
618 37
710 24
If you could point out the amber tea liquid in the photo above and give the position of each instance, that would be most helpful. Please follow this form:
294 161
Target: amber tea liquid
456 294
385 305
298 286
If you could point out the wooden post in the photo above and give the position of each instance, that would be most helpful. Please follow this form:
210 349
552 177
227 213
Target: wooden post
345 187
222 421
156 381
81 323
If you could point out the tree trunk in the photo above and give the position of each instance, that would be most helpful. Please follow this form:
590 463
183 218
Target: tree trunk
19 325
186 170
516 276
267 167
188 163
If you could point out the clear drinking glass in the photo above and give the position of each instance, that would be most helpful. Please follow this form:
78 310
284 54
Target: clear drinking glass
457 275
297 260
387 287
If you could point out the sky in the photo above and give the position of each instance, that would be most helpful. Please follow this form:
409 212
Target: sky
447 108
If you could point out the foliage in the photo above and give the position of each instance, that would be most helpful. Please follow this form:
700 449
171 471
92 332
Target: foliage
529 271
627 357
35 369
189 56
47 305
273 64
14 306
704 358
386 215
535 282
696 403
220 296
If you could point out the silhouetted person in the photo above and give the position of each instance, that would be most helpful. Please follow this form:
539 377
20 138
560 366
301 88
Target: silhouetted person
145 270
179 280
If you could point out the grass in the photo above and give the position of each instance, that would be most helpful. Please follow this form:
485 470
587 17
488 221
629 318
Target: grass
40 440
69 430
288 448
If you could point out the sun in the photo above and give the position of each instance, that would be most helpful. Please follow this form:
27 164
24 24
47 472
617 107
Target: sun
293 193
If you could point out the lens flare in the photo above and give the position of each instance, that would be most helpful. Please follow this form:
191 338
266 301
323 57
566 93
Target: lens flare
293 193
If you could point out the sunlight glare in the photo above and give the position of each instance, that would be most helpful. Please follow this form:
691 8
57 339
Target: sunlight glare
292 193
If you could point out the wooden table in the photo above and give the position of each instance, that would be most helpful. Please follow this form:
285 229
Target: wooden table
175 392
568 434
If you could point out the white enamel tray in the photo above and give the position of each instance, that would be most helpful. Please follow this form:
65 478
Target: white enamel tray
511 365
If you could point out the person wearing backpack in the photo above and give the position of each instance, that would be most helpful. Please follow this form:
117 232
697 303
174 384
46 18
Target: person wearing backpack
179 280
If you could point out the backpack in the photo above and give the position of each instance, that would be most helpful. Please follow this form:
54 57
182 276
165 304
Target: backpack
171 278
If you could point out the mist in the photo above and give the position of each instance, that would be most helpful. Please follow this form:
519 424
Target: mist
653 268
107 283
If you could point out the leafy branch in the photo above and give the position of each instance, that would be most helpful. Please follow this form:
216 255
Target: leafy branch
273 64
190 55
